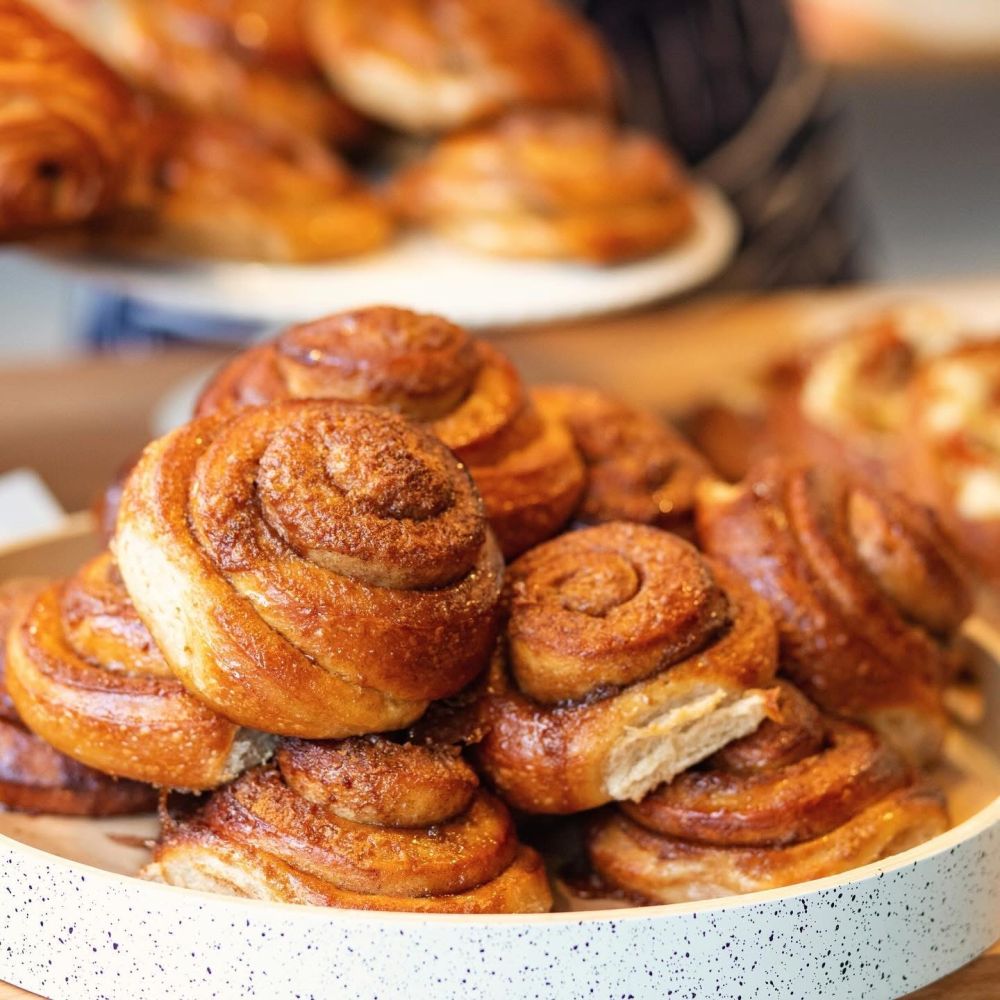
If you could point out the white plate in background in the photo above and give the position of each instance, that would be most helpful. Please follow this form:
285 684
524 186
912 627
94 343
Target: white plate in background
425 273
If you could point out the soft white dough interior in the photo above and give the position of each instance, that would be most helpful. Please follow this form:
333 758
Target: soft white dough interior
677 735
250 748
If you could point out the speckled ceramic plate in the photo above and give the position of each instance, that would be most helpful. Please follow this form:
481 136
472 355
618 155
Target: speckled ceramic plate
426 274
73 922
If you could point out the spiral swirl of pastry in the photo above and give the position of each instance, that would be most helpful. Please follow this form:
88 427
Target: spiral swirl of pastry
65 126
214 187
35 777
864 588
361 823
311 568
86 677
550 185
628 658
436 65
951 448
466 392
803 797
638 468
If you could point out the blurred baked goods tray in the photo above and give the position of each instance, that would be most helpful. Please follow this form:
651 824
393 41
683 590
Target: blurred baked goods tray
422 272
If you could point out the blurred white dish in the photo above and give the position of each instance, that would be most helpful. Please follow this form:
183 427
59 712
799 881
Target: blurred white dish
422 272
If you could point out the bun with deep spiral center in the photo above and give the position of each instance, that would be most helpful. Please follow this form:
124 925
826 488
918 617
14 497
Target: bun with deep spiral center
361 823
627 658
311 568
864 587
805 796
66 123
87 677
466 392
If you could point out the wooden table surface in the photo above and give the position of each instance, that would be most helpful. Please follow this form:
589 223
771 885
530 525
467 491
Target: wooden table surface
77 421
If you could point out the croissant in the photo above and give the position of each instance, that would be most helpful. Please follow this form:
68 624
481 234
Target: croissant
66 125
520 456
638 468
843 403
549 185
803 797
951 449
36 778
311 568
213 187
435 65
863 585
362 823
627 658
85 675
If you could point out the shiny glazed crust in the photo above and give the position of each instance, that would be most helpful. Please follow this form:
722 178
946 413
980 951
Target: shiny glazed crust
86 676
638 468
435 65
550 185
804 796
627 658
361 823
213 187
520 456
311 568
864 588
65 127
35 777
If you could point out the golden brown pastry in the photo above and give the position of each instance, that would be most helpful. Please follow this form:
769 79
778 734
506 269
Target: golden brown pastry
465 391
311 568
362 823
731 438
85 675
951 449
434 65
550 185
35 777
243 59
65 127
213 187
864 587
638 468
844 402
627 658
803 797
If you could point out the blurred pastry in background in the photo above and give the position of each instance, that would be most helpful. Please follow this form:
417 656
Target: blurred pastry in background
214 187
550 185
245 59
66 127
950 443
436 65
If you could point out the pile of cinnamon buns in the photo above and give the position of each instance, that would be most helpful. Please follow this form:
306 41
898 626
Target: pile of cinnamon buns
378 600
230 128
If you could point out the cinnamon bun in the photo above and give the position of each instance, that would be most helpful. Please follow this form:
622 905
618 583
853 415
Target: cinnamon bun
435 65
466 392
627 658
85 675
213 187
66 125
35 777
638 468
311 568
803 797
363 823
951 449
863 584
550 185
